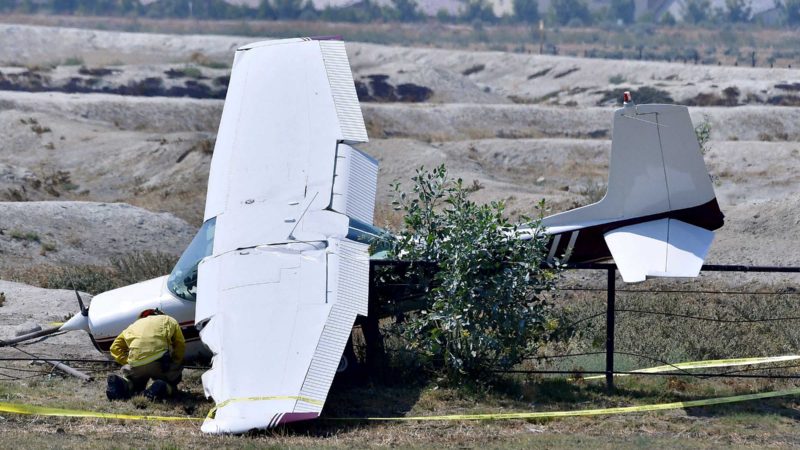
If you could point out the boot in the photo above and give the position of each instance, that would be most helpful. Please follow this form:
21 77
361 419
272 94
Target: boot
159 390
117 388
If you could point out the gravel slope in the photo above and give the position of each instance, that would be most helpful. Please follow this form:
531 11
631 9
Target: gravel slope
84 232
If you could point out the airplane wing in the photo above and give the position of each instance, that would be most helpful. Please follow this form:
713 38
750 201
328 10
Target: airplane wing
278 296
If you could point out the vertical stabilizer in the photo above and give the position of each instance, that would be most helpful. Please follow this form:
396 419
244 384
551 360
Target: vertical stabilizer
655 167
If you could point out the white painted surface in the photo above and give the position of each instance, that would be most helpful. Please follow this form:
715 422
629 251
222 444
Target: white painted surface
278 296
355 173
659 248
279 128
112 311
655 167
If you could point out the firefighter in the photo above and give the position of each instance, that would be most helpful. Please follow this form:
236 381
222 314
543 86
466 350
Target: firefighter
152 347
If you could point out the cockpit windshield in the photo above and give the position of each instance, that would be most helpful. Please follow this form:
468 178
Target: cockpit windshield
182 282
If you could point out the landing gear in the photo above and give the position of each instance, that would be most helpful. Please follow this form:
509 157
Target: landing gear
349 369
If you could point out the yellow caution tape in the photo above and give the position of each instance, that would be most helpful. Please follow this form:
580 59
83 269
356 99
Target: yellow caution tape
591 412
60 412
262 399
45 411
731 362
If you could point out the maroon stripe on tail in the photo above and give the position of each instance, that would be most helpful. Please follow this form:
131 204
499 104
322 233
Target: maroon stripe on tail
591 245
297 417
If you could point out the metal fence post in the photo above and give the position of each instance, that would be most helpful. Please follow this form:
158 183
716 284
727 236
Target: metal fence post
375 353
610 315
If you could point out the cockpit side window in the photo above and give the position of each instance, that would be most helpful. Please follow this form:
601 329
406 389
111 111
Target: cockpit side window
182 282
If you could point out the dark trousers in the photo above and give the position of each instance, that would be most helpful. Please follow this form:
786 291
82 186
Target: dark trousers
164 369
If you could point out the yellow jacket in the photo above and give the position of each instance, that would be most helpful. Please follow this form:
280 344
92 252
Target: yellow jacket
147 340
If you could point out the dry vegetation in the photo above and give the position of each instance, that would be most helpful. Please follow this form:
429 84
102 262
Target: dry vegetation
727 45
122 270
750 425
402 390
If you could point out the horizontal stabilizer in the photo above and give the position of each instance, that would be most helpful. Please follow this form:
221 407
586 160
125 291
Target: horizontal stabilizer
659 248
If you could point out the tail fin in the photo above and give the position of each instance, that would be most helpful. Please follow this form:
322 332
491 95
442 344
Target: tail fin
657 215
655 167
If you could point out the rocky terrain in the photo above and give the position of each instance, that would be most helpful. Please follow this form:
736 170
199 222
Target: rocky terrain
69 232
22 312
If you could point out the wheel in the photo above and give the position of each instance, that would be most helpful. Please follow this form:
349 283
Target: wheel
344 363
349 369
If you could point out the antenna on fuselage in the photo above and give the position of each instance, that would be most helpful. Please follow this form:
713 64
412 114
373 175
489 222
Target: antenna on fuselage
291 233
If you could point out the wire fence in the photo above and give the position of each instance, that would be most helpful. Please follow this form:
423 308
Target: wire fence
612 312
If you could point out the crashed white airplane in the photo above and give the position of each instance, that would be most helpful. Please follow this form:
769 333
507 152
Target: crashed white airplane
658 215
278 272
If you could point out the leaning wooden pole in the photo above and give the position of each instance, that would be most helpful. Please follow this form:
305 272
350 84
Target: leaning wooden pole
59 366
69 370
29 336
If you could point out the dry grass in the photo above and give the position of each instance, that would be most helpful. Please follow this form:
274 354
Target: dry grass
747 425
405 392
671 337
121 271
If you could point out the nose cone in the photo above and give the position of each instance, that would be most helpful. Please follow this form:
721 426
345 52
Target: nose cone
77 322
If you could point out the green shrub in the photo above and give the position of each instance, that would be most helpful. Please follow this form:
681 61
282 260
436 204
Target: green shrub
526 11
616 79
571 12
91 279
24 235
481 309
74 61
47 247
703 133
594 191
696 11
192 72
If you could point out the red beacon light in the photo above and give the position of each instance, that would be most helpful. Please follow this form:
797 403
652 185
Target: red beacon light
626 97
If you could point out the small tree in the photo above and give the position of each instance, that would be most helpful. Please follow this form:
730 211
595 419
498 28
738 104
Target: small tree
482 308
668 19
65 6
624 10
526 11
570 11
791 11
703 133
478 10
407 10
738 10
288 9
265 10
696 11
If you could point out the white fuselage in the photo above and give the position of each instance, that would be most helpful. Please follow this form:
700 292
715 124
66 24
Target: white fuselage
111 312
